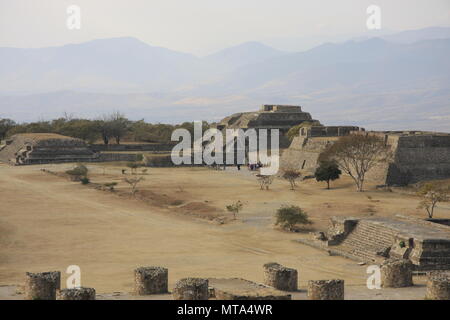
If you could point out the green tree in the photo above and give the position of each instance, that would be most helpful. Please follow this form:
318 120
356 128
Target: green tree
5 126
289 216
83 129
327 171
140 131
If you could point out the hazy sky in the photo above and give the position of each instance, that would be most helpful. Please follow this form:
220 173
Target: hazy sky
203 26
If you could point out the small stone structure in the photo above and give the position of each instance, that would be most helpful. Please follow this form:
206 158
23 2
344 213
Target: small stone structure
326 289
241 289
375 239
150 280
438 286
42 286
76 294
191 289
280 277
396 273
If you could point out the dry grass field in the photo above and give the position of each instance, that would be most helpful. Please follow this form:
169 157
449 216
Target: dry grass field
48 223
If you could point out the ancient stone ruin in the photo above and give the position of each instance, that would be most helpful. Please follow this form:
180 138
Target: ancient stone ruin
191 289
375 239
39 148
326 289
396 273
42 286
279 277
76 294
281 117
150 280
241 289
417 155
438 286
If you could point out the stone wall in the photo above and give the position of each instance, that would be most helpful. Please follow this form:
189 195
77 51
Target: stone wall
107 156
37 148
303 153
328 131
418 157
151 147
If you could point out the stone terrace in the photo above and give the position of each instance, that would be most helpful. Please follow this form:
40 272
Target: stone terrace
375 239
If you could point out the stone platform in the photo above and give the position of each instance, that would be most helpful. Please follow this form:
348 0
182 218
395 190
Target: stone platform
39 148
375 239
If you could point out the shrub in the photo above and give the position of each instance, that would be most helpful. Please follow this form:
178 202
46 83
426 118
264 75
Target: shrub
80 171
110 185
133 182
133 166
85 180
235 208
289 216
264 181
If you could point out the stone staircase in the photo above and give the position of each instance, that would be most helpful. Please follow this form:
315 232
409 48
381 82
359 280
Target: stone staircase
37 148
368 241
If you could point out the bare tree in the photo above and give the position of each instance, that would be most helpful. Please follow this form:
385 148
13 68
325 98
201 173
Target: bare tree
264 181
356 154
114 125
104 128
133 182
119 126
291 175
432 193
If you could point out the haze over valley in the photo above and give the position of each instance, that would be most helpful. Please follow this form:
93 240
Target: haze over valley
395 81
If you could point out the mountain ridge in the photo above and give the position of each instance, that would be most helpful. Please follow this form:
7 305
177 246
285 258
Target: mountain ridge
358 80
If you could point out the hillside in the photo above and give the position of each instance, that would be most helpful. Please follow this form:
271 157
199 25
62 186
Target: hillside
376 83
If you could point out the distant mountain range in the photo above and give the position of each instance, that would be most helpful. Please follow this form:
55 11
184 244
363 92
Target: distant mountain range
399 81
